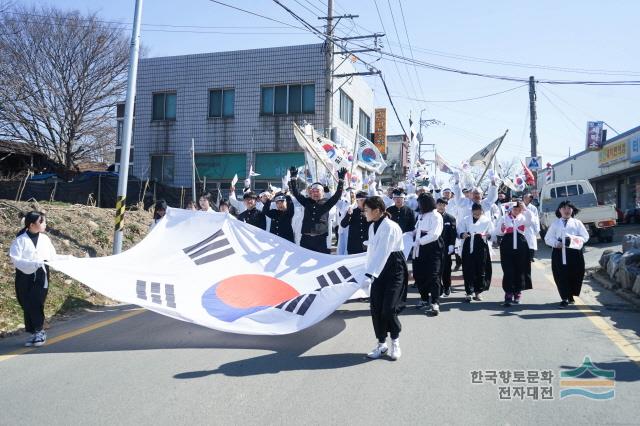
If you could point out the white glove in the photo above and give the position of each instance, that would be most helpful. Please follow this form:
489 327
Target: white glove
451 249
366 283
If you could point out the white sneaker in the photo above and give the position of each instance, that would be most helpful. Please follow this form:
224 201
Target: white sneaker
40 339
467 298
435 309
378 351
30 341
395 353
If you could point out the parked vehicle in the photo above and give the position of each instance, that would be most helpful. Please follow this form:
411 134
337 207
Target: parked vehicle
599 220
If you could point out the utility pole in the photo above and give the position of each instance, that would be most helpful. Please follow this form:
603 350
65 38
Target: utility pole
533 117
328 73
123 173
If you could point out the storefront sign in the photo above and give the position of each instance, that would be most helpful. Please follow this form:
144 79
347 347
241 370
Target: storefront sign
594 135
634 148
380 130
613 153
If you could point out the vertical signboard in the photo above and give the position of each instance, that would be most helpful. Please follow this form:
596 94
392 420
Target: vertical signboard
594 135
380 135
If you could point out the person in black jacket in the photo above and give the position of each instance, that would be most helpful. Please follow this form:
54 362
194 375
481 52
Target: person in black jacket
315 223
251 215
281 216
401 214
358 226
449 238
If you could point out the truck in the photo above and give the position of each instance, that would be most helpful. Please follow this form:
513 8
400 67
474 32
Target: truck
599 220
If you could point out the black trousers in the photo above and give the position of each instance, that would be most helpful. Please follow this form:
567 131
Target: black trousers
315 243
476 266
31 296
388 294
568 277
532 253
516 265
426 271
445 272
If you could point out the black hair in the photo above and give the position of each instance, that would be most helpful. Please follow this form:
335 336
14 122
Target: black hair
31 218
567 203
206 195
426 203
441 201
224 202
160 205
376 202
476 206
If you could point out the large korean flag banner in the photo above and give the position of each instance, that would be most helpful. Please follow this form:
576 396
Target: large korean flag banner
213 270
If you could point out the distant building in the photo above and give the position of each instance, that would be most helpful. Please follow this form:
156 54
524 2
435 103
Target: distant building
614 171
397 159
239 108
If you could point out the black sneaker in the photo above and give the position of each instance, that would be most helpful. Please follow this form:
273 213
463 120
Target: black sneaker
447 291
571 300
29 341
563 304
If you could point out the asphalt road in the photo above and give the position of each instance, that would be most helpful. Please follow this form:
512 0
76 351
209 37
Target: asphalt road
145 368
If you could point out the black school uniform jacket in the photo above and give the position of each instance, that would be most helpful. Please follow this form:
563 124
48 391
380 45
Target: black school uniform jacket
254 217
403 216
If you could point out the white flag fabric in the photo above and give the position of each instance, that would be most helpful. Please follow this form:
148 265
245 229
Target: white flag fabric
483 157
369 156
209 269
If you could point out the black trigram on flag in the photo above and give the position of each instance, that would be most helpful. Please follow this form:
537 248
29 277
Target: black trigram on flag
156 293
216 247
298 305
301 304
336 276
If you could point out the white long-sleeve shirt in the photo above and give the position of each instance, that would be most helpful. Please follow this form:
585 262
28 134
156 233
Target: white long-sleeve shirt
430 224
531 233
483 227
508 224
573 229
29 258
381 243
464 204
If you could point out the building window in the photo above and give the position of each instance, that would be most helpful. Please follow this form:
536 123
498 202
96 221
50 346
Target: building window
364 125
221 102
346 108
164 106
162 168
288 99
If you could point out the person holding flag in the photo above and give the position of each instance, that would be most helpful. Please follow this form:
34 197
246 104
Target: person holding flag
567 236
387 275
315 223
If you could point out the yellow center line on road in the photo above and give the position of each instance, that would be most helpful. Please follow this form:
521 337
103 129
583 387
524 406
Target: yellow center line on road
627 348
75 333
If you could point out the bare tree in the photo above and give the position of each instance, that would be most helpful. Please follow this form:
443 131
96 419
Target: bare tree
61 74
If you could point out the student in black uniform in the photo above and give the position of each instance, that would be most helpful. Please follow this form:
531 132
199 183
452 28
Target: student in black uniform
281 216
159 210
386 273
28 252
401 214
315 223
358 226
449 239
252 215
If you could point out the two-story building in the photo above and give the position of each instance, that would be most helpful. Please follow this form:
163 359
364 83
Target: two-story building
238 107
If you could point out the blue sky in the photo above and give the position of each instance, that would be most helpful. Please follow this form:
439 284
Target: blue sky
587 35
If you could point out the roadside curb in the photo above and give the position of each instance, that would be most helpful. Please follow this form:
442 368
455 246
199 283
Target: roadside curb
601 278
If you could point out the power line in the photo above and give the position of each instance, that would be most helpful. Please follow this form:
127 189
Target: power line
463 100
392 104
560 111
406 31
395 27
